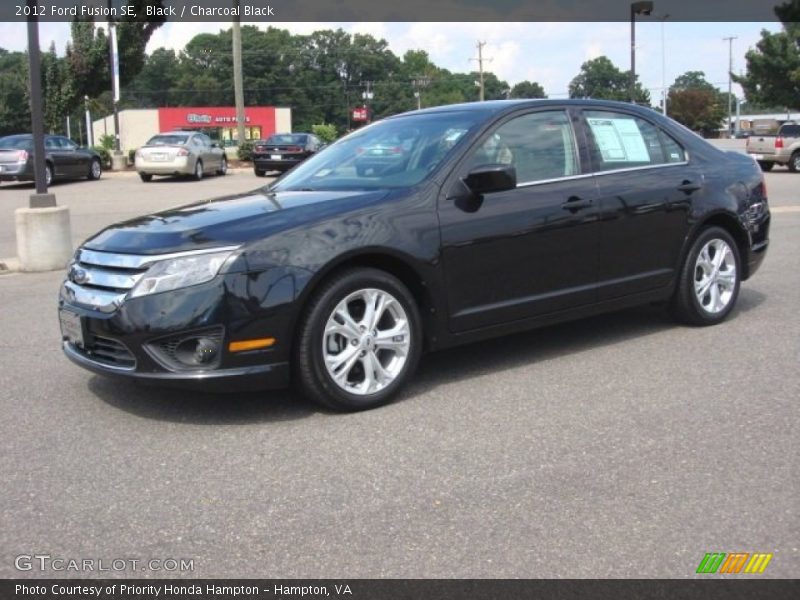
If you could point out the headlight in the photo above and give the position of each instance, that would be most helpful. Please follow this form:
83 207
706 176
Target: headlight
180 272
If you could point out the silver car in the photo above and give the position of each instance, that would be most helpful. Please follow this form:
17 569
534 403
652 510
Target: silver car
180 153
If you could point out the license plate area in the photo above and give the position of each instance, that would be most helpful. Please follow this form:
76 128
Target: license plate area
159 157
275 156
71 327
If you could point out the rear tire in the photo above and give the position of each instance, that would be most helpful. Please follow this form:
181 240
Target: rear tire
198 170
146 177
709 279
95 170
766 166
259 172
794 162
348 357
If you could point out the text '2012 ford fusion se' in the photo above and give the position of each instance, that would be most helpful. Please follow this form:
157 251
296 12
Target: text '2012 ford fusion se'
469 221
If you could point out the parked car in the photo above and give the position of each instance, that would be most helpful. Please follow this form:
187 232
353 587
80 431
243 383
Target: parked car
282 151
385 156
64 159
343 280
180 153
781 149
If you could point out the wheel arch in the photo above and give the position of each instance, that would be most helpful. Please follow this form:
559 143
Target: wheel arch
733 226
386 260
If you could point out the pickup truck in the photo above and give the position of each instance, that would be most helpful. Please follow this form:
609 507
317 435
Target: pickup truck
783 148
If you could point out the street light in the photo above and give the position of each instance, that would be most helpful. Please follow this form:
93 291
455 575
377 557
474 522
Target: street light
637 8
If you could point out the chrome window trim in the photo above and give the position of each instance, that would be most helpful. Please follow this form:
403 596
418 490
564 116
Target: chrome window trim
139 261
600 173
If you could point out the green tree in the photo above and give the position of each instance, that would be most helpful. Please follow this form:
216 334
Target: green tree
600 78
773 66
324 131
15 117
696 103
527 89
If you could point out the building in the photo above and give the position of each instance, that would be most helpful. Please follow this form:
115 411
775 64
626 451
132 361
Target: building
136 126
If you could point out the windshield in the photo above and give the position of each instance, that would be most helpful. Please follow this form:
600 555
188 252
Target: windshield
17 141
287 138
168 140
397 152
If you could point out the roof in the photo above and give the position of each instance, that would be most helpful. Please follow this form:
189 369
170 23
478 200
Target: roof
498 106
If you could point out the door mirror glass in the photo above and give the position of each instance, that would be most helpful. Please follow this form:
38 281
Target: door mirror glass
485 179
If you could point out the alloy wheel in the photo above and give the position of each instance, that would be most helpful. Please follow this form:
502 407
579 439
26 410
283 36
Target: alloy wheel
715 276
366 341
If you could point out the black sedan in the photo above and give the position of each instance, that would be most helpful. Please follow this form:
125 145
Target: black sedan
64 159
282 151
505 216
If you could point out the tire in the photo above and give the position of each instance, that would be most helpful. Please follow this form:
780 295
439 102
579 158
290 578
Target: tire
259 172
794 162
146 177
708 290
48 174
198 170
766 166
223 168
95 170
347 295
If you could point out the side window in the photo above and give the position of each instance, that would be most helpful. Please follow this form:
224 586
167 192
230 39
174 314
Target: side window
67 144
539 145
620 141
51 143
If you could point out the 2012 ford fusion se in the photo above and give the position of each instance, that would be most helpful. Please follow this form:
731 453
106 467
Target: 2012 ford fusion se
496 217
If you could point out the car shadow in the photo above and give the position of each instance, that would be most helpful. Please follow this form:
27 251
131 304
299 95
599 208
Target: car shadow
436 369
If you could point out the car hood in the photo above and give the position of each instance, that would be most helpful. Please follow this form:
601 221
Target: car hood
227 221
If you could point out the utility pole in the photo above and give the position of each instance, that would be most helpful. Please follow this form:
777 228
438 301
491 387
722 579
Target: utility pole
480 60
419 82
664 93
367 96
730 84
117 160
238 86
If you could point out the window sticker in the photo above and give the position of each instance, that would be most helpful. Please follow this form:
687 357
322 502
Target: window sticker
619 140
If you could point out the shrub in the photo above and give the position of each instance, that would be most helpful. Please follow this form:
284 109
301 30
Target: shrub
245 151
107 141
325 131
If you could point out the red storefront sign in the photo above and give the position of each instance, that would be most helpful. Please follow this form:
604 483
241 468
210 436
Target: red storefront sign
185 117
360 113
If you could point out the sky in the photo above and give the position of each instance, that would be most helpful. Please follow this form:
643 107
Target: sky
549 53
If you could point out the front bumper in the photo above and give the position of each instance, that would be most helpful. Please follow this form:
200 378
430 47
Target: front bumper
127 340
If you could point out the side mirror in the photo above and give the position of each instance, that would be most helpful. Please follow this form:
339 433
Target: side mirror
485 179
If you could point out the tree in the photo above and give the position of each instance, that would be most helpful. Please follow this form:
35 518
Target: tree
599 78
696 103
527 89
14 98
773 67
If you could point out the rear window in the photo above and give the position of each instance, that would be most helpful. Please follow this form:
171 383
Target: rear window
167 140
790 131
16 142
287 138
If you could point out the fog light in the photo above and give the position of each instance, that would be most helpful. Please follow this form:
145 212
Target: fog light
197 351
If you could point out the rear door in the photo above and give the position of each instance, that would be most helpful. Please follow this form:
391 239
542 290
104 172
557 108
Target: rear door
646 187
77 163
528 251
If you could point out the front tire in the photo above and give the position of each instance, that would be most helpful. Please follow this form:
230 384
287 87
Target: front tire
223 167
359 341
709 280
48 174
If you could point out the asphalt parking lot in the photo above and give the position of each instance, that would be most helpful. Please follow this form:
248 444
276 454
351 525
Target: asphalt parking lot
617 446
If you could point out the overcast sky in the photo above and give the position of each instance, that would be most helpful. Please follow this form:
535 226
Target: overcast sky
550 53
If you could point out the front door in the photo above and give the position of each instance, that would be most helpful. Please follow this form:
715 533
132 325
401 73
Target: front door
528 251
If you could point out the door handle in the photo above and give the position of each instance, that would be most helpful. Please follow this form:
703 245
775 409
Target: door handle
574 204
689 187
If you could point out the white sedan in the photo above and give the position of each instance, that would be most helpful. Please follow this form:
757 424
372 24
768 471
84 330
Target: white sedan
180 153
